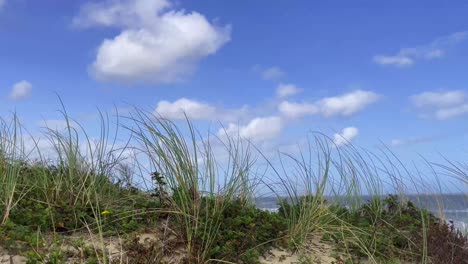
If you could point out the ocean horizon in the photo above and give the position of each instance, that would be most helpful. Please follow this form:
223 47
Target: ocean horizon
452 208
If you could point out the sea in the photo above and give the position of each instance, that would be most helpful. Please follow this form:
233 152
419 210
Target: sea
453 208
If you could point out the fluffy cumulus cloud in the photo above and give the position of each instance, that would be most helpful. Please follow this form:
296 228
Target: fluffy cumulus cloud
286 90
261 124
436 49
21 90
156 44
345 136
343 105
347 104
183 107
441 105
198 110
258 129
238 124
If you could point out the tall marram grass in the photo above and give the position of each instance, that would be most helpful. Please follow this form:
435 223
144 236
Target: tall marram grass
315 182
12 156
71 172
86 163
321 177
86 177
189 166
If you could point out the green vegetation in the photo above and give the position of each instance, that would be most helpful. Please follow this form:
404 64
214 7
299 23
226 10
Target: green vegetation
170 195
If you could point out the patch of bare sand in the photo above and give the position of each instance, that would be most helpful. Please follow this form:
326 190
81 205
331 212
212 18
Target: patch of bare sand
315 251
144 242
6 258
162 243
113 247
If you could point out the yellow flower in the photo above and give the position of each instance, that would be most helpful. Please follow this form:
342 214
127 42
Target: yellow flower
105 212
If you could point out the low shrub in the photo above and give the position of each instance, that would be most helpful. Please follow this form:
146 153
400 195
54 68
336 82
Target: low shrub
445 244
246 233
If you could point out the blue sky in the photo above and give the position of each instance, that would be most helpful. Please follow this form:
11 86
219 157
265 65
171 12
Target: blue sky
370 72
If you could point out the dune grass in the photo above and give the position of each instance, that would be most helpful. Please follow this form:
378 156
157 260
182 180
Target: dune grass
12 154
196 192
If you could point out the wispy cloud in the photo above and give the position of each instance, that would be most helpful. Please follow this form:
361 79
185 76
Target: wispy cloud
436 49
397 60
452 112
273 73
156 44
20 90
342 105
286 90
438 99
410 141
441 105
2 3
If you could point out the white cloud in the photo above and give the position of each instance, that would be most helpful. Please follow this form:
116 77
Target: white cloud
156 44
258 129
183 106
397 142
435 54
345 137
344 105
286 90
21 90
411 141
397 60
197 110
451 112
441 105
272 73
347 104
434 50
294 110
438 99
120 13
